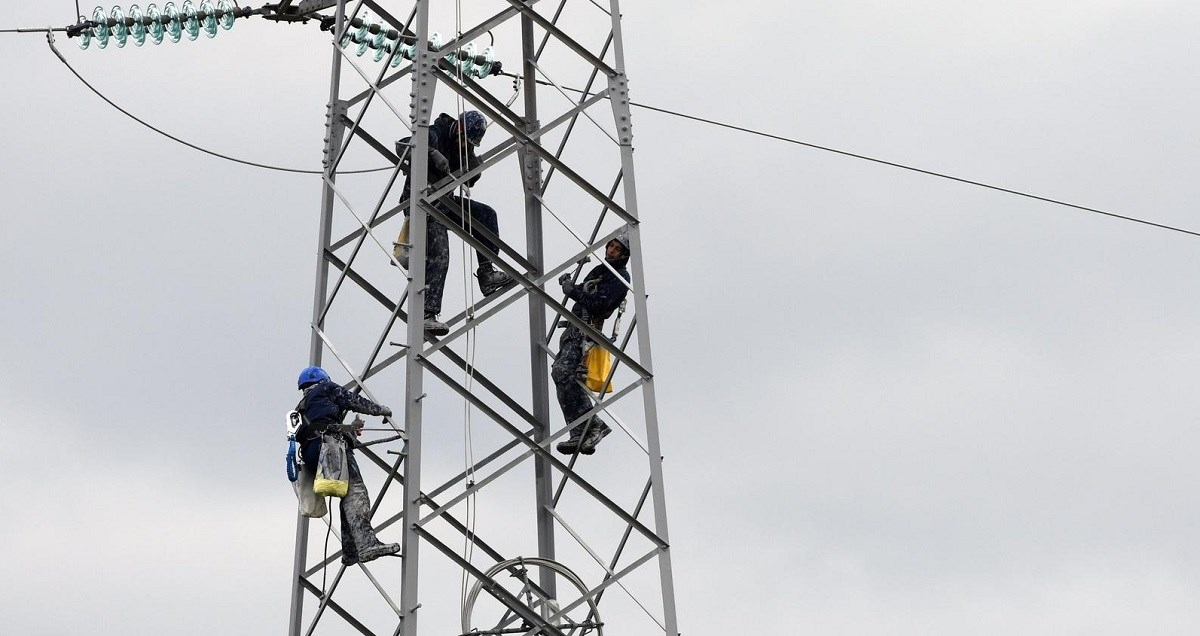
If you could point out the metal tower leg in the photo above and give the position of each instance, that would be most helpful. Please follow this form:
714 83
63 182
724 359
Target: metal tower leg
619 98
333 141
422 110
531 173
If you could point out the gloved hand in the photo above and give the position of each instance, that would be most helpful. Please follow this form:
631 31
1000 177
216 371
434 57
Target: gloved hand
439 161
386 412
402 150
567 285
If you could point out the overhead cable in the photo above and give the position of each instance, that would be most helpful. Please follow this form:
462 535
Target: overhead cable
50 41
711 122
931 173
902 166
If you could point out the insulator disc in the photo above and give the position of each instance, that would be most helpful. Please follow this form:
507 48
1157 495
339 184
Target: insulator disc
191 24
404 53
381 37
101 29
380 51
137 30
156 28
389 49
209 23
119 30
481 70
465 65
227 19
364 31
363 36
435 41
85 36
175 26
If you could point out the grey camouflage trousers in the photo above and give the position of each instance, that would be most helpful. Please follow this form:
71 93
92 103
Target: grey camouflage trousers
437 244
357 532
572 397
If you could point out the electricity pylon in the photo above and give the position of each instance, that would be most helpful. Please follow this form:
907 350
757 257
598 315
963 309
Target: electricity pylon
583 545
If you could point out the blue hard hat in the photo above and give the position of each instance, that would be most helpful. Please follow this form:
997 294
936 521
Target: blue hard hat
473 123
311 375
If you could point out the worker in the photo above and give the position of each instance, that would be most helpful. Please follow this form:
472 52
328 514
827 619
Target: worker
452 143
596 298
323 407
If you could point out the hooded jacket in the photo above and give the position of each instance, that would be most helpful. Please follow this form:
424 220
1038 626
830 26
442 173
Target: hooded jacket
325 403
441 140
601 292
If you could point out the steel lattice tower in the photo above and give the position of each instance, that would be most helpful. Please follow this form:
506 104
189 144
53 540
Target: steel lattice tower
591 549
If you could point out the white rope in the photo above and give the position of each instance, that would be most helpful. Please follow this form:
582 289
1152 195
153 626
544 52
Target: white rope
464 194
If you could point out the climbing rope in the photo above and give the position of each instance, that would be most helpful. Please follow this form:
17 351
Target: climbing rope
464 212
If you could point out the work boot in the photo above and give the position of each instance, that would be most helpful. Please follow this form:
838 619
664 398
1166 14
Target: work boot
376 551
598 431
491 280
434 327
569 446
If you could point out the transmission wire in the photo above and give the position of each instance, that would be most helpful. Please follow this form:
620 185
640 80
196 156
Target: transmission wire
893 164
711 122
50 41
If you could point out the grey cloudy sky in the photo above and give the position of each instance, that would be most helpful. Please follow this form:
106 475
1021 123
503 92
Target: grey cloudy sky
890 404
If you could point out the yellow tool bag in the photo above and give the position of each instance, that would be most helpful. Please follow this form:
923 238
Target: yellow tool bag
333 473
599 361
599 365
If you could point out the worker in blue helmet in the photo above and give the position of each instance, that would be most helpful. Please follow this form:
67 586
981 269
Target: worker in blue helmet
452 143
596 298
323 407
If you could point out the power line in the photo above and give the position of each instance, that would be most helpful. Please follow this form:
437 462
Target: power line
711 122
50 41
931 173
894 164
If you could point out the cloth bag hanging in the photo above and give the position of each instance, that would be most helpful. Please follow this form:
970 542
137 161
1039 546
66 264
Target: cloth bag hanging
599 362
333 473
302 475
401 248
599 365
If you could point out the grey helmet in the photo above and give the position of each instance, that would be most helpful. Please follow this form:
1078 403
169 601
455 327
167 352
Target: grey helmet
622 237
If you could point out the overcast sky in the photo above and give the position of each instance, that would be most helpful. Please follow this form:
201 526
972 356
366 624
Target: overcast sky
890 404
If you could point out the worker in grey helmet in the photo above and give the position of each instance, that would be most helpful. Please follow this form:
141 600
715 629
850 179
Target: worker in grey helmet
596 298
324 406
452 143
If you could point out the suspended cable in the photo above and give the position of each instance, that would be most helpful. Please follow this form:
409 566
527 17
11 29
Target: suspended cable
893 164
50 41
931 173
711 122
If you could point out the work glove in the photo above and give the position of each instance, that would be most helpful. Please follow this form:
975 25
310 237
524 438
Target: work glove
385 411
567 285
402 151
440 162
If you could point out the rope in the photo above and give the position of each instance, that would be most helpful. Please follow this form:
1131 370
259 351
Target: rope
50 41
470 341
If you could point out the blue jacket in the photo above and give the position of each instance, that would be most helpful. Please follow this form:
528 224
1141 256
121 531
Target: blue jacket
441 141
325 403
600 293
